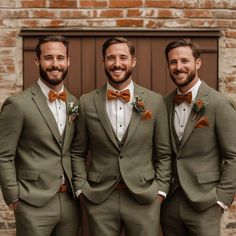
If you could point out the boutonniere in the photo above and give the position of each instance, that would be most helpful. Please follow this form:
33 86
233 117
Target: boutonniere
199 107
73 111
139 107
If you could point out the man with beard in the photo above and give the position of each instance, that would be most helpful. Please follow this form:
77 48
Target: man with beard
203 133
35 139
124 126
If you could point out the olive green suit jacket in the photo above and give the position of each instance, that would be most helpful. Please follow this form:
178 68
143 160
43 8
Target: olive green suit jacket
33 154
206 157
142 159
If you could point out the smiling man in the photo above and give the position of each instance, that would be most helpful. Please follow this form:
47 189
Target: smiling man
125 128
35 139
203 133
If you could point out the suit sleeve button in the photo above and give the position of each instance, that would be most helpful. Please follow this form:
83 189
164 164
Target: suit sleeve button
121 157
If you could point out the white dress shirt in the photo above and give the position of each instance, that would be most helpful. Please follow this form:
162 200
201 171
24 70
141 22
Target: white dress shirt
57 107
120 112
182 111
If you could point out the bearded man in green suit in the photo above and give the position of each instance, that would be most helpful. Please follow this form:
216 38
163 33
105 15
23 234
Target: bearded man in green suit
35 137
203 133
125 128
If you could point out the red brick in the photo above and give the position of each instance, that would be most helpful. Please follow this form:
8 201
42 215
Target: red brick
214 4
33 3
126 3
197 13
75 14
7 69
232 24
163 3
55 23
14 14
109 13
134 12
154 24
210 23
30 23
230 33
166 13
129 23
223 14
43 14
63 4
7 42
85 3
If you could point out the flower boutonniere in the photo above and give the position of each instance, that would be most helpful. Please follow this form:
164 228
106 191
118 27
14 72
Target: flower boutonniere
199 107
139 107
73 110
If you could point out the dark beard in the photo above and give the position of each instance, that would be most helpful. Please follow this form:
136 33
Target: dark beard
44 76
190 78
126 76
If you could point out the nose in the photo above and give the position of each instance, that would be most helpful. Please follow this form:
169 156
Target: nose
54 62
117 61
179 65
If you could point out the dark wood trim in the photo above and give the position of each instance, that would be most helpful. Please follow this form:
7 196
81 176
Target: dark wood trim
104 33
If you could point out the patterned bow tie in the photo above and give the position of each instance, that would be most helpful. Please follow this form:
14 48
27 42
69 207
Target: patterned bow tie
124 95
179 98
52 96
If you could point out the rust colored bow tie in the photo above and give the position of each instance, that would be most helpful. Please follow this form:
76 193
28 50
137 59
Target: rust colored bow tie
124 95
179 98
52 96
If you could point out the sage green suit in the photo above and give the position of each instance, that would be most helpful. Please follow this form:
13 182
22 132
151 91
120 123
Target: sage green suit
142 160
33 154
205 159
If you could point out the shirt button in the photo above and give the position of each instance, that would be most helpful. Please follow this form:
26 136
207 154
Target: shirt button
120 108
121 157
120 125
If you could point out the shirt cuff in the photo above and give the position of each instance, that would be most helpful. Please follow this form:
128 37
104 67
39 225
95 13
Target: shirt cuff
78 192
225 207
162 194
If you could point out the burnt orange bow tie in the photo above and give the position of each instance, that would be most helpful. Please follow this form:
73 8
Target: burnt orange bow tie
179 98
52 96
124 95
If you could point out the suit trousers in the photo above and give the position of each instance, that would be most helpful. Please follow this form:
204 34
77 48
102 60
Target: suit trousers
180 218
120 210
58 217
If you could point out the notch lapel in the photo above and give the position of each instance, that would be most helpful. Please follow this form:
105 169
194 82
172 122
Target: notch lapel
41 103
202 94
135 118
100 105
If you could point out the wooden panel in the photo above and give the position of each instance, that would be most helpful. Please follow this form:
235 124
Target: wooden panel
86 71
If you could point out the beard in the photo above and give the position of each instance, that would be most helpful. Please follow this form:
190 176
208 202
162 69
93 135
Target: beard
122 80
191 76
44 76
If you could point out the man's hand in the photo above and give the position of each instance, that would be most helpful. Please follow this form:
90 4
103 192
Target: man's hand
160 198
14 205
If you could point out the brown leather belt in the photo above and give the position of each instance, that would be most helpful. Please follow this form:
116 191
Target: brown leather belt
63 188
121 185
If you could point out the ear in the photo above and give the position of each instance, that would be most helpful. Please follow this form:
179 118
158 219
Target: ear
198 63
134 61
36 61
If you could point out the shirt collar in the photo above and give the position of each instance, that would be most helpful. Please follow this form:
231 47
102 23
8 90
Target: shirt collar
45 89
130 87
194 89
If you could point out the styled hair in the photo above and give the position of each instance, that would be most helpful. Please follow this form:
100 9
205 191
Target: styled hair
51 38
185 42
116 40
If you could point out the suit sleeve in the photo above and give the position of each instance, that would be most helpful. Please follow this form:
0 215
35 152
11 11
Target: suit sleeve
11 123
226 134
162 149
79 149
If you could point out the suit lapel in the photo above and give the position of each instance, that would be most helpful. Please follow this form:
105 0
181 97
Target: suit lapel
135 118
69 124
171 107
41 102
100 105
202 94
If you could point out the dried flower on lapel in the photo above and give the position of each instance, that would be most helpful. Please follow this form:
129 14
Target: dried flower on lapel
199 107
139 107
73 110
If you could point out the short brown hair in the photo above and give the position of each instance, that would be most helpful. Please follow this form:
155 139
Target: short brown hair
116 40
51 38
185 42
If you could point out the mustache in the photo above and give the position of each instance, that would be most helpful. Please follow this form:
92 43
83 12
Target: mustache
117 68
179 71
55 68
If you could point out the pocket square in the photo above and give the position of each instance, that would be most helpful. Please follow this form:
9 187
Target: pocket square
202 122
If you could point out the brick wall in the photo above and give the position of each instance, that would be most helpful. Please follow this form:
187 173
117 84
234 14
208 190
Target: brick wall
113 14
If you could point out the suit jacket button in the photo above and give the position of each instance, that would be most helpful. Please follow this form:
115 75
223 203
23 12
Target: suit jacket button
121 157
